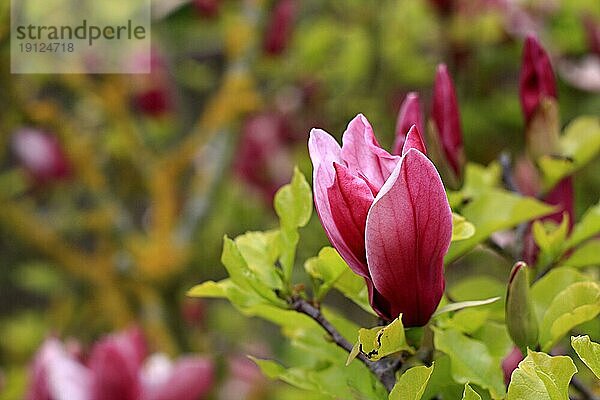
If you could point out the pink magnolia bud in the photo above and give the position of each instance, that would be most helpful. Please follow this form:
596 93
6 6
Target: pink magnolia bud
41 155
446 118
537 77
377 209
409 115
279 27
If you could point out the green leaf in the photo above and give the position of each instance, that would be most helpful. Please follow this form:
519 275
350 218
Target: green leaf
578 145
464 304
586 255
588 351
412 384
243 276
492 211
376 343
326 269
550 237
467 321
353 287
293 202
588 227
470 394
550 285
441 382
461 228
207 289
261 250
480 178
541 377
471 361
293 205
578 303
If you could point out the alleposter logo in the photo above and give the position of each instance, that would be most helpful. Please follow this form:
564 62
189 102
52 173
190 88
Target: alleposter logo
80 36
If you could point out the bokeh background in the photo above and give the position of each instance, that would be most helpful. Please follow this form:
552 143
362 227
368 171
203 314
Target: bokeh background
116 190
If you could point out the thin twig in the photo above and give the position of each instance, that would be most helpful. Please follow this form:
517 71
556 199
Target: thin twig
384 370
586 393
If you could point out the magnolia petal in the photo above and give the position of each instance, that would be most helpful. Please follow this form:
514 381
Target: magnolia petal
189 378
414 140
324 152
446 116
349 200
409 115
409 228
537 77
115 362
362 153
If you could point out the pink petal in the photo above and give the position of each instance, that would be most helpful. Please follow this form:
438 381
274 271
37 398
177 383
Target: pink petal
115 362
188 379
510 363
414 140
324 152
409 115
349 200
362 153
408 232
537 77
446 116
56 375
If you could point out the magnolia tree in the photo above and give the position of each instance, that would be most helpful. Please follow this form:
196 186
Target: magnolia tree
396 221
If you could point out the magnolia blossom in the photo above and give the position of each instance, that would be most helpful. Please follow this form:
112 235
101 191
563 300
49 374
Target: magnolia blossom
117 368
41 155
409 115
279 27
387 216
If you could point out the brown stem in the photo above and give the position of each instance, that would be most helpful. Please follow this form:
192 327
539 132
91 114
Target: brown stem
384 370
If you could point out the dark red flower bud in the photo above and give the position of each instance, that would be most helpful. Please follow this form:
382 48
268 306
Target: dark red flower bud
510 363
207 8
537 77
446 117
153 102
41 155
592 34
409 115
279 27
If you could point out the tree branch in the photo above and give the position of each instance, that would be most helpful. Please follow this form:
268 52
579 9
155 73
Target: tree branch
384 370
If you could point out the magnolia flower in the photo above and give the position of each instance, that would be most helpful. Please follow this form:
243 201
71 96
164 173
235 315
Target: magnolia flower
41 155
446 119
409 115
279 27
510 363
537 77
387 216
116 369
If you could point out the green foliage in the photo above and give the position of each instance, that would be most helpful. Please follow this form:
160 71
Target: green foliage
578 145
588 351
376 343
588 226
578 303
461 228
541 377
412 383
471 360
521 321
293 204
470 394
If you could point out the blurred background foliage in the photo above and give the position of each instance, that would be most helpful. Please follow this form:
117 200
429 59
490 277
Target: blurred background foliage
154 169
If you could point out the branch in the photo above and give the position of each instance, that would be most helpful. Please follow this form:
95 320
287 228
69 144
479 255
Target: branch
384 370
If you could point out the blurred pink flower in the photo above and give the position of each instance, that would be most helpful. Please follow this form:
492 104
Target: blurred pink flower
41 155
207 8
279 27
510 363
117 369
388 217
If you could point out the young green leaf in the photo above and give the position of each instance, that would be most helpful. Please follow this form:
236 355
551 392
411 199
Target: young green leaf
578 145
578 303
588 351
470 394
586 255
545 290
588 227
464 304
261 250
376 343
492 211
326 269
541 377
293 204
471 360
412 384
461 228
